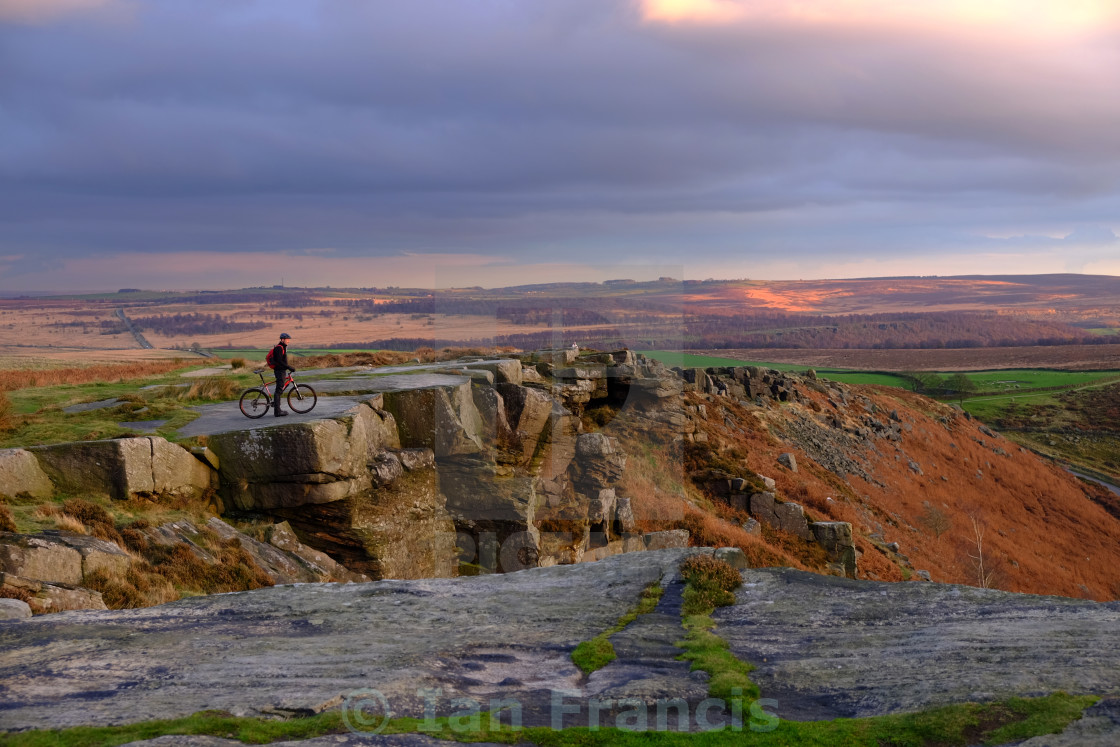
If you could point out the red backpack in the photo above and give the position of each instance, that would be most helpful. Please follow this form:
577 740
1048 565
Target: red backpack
269 359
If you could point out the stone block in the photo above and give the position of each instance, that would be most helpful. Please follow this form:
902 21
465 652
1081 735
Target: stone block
442 418
21 475
40 558
14 609
602 507
836 538
791 518
788 460
733 556
624 517
47 597
670 539
762 508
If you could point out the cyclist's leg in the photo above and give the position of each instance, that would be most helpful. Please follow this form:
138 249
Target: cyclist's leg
281 377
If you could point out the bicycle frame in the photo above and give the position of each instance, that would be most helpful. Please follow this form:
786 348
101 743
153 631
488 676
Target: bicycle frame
265 384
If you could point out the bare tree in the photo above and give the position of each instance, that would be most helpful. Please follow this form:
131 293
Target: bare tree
937 521
987 568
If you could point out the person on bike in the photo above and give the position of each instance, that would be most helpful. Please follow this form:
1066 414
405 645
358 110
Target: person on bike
280 368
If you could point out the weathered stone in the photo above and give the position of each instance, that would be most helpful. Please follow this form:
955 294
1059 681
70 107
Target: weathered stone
385 468
492 412
791 518
283 538
531 375
733 556
305 644
317 461
558 357
44 597
762 508
528 412
624 517
97 554
600 461
14 609
670 539
40 558
441 418
836 538
399 530
828 648
788 460
601 508
21 475
751 526
768 482
413 459
119 468
178 473
507 370
203 453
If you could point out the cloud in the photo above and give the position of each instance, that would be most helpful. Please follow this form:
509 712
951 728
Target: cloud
558 129
43 11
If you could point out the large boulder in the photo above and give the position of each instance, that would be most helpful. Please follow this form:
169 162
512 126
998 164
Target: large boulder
441 417
21 475
791 518
317 461
39 557
125 468
14 609
836 538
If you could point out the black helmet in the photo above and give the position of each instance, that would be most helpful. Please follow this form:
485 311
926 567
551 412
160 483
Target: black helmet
285 336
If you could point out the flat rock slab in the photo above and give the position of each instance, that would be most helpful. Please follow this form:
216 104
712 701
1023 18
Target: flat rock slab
828 647
103 404
225 416
388 383
303 646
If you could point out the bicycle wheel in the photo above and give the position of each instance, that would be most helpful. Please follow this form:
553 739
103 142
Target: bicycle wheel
255 403
301 398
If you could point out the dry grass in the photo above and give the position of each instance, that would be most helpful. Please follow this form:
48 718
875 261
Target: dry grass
68 523
11 380
7 521
6 411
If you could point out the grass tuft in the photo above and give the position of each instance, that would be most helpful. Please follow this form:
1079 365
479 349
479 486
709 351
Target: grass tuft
598 652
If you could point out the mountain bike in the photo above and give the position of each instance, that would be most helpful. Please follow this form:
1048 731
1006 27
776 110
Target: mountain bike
256 402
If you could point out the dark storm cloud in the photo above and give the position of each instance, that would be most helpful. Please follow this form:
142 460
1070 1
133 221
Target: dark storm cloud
536 127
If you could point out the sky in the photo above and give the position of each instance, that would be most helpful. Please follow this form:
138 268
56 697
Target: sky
226 143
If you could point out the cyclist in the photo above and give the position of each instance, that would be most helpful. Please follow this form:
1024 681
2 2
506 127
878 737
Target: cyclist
280 368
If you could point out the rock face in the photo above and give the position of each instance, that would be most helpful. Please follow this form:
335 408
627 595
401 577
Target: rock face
126 468
823 647
468 464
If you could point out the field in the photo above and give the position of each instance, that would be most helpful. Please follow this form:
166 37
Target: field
1062 357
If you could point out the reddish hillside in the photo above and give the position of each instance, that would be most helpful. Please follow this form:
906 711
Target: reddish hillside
960 501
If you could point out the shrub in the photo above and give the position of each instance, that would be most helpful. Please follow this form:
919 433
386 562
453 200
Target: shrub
6 411
711 582
7 521
94 518
237 363
13 592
